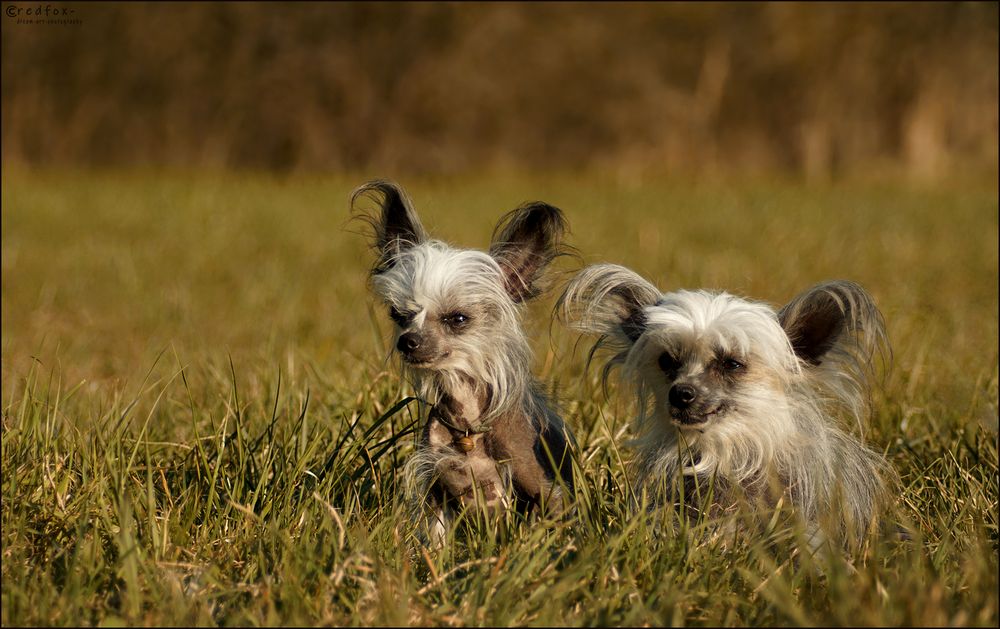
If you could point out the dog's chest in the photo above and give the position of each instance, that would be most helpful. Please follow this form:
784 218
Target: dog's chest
465 463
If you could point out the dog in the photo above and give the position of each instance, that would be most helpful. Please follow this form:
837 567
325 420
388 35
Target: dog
737 400
492 438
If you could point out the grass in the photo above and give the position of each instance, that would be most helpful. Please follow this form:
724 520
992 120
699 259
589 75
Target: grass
199 426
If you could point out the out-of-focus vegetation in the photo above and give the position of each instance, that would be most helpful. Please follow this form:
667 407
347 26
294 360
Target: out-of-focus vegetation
819 89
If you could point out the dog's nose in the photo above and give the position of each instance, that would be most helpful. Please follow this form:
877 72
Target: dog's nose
682 395
408 342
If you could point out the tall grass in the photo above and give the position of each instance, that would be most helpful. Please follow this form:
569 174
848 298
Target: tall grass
199 425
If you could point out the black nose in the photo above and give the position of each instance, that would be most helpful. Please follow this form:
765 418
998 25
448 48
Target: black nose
408 342
682 395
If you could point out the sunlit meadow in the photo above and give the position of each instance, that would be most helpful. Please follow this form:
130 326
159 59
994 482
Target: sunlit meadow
200 424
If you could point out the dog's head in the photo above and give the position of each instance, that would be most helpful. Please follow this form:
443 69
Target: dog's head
714 361
456 310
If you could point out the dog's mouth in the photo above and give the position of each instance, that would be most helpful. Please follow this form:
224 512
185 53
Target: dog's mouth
421 361
688 418
415 361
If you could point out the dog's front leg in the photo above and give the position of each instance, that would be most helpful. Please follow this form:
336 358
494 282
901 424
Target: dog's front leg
466 476
531 452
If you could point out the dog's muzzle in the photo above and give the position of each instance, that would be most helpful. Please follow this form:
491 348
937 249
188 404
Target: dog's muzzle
690 407
416 348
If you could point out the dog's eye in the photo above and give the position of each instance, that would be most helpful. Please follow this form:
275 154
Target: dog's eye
731 364
456 320
668 363
399 317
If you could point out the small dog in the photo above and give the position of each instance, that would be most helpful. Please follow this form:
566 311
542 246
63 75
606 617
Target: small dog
736 397
491 438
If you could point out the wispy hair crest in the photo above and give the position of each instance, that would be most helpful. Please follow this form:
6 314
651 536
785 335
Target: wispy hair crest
411 268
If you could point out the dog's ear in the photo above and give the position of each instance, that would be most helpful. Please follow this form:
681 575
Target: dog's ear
524 242
829 316
609 300
395 226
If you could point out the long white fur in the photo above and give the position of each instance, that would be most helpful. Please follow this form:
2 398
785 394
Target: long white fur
428 281
432 277
788 419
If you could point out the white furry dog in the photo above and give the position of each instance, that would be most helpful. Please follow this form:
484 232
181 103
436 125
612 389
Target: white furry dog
749 400
492 437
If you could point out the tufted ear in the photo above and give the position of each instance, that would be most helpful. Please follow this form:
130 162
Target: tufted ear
524 242
829 315
609 300
395 225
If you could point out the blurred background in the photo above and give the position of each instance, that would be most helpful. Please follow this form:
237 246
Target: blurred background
817 90
179 172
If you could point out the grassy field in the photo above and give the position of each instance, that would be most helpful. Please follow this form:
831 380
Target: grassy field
199 425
